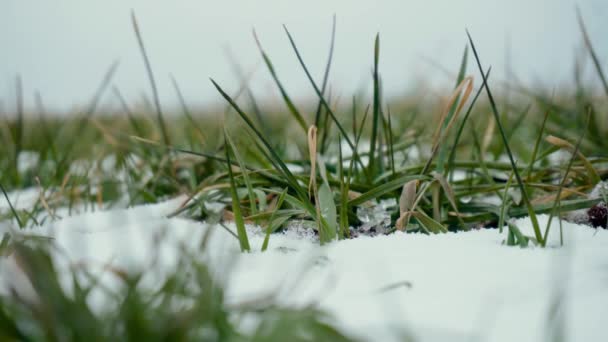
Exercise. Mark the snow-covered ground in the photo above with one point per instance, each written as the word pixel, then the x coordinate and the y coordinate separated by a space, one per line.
pixel 452 287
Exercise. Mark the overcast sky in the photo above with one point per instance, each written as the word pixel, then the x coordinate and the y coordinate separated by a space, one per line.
pixel 62 48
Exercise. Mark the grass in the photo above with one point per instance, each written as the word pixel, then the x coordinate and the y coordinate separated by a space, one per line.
pixel 190 306
pixel 443 180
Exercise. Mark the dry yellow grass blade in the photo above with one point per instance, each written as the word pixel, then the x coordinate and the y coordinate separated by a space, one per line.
pixel 488 135
pixel 466 82
pixel 43 199
pixel 566 192
pixel 105 132
pixel 408 196
pixel 312 184
pixel 462 93
pixel 566 145
pixel 406 204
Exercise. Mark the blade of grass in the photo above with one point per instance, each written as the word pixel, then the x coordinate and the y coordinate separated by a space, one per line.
pixel 344 230
pixel 481 160
pixel 318 92
pixel 430 224
pixel 536 144
pixel 452 157
pixel 327 205
pixel 236 206
pixel 312 155
pixel 21 225
pixel 520 182
pixel 385 188
pixel 596 61
pixel 440 134
pixel 407 202
pixel 275 157
pixel 292 108
pixel 92 107
pixel 239 159
pixel 518 121
pixel 46 130
pixel 244 79
pixel 376 110
pixel 132 120
pixel 327 68
pixel 19 128
pixel 186 109
pixel 504 206
pixel 327 211
pixel 270 220
pixel 345 186
pixel 390 140
pixel 557 201
pixel 561 143
pixel 142 49
pixel 441 158
pixel 447 189
pixel 324 201
pixel 327 125
pixel 517 237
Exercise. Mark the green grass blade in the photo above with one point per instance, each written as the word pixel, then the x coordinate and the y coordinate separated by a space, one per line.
pixel 270 221
pixel 447 189
pixel 452 157
pixel 144 55
pixel 292 108
pixel 563 182
pixel 344 226
pixel 327 208
pixel 21 225
pixel 236 208
pixel 504 206
pixel 517 237
pixel 186 109
pixel 317 90
pixel 326 73
pixel 376 110
pixel 82 121
pixel 46 130
pixel 596 61
pixel 245 78
pixel 430 224
pixel 442 155
pixel 520 182
pixel 390 141
pixel 275 157
pixel 19 128
pixel 518 122
pixel 379 190
pixel 536 145
pixel 132 120
pixel 244 172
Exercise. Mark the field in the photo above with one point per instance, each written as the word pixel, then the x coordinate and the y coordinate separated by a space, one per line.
pixel 475 214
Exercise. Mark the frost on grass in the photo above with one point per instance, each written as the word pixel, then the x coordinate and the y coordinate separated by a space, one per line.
pixel 376 217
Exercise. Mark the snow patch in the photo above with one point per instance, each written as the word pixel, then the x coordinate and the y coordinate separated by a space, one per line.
pixel 455 286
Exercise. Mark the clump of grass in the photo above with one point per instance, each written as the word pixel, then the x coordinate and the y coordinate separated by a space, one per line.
pixel 169 155
pixel 189 305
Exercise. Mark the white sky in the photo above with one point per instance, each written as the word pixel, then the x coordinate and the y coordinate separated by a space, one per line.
pixel 62 48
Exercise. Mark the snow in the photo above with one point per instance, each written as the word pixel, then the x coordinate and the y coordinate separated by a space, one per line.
pixel 452 287
pixel 23 199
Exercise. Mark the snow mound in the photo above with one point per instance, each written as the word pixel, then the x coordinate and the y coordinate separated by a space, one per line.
pixel 450 287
